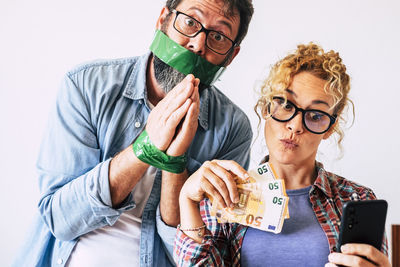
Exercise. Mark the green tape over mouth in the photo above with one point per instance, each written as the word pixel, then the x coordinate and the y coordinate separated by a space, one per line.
pixel 183 60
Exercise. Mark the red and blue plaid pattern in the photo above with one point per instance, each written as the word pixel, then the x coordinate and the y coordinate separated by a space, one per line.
pixel 222 242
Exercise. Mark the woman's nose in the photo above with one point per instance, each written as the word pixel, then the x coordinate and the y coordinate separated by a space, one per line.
pixel 295 125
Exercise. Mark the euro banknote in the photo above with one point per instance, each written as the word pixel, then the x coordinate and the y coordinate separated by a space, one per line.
pixel 263 203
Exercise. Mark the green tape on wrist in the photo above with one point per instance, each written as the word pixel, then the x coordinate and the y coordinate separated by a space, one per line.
pixel 183 60
pixel 147 152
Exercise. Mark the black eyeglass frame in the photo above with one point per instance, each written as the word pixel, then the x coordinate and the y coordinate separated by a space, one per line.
pixel 303 111
pixel 203 29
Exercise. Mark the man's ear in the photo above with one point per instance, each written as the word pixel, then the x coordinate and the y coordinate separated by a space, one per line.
pixel 164 13
pixel 236 50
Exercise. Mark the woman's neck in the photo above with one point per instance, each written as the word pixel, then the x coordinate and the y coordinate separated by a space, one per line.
pixel 295 175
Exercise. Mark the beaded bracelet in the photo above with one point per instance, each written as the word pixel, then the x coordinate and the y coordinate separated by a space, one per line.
pixel 199 233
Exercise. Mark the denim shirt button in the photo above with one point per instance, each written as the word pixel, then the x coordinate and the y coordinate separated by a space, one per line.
pixel 137 124
pixel 60 261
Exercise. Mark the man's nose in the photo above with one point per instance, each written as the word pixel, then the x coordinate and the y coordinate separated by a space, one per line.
pixel 197 44
pixel 295 125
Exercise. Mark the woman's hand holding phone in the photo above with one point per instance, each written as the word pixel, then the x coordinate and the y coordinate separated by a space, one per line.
pixel 354 254
pixel 362 230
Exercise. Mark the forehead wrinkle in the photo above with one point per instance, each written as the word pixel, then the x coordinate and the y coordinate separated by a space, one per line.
pixel 220 21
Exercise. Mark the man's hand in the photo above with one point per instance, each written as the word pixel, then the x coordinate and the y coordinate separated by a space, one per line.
pixel 163 125
pixel 358 255
pixel 187 129
pixel 183 120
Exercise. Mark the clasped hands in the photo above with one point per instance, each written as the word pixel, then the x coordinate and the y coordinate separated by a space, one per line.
pixel 173 122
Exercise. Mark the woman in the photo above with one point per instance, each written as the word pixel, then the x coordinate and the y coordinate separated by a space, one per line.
pixel 302 102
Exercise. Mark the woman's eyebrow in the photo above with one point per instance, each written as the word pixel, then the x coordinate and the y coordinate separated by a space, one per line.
pixel 314 102
pixel 290 91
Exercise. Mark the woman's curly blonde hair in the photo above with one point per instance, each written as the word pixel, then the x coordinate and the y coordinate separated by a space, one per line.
pixel 311 58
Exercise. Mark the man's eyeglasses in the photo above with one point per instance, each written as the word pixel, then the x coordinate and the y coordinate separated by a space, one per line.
pixel 190 27
pixel 314 120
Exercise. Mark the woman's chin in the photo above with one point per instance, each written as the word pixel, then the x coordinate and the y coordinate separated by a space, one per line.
pixel 286 158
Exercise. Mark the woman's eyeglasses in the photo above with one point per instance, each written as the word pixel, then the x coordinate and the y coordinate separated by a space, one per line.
pixel 314 120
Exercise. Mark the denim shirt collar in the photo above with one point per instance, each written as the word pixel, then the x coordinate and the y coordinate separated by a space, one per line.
pixel 136 88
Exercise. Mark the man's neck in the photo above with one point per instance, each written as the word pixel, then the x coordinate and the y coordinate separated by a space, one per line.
pixel 155 93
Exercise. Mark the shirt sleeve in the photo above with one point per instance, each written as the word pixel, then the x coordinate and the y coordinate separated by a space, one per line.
pixel 74 187
pixel 167 234
pixel 237 145
pixel 215 250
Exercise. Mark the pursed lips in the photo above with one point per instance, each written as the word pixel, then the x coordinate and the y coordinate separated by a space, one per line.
pixel 289 143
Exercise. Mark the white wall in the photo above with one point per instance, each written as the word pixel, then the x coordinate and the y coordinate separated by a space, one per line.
pixel 41 40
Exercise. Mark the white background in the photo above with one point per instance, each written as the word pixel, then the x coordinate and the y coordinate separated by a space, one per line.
pixel 41 40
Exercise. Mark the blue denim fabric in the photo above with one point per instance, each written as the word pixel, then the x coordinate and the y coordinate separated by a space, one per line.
pixel 100 109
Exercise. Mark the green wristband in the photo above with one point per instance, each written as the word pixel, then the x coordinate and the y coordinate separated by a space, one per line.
pixel 147 152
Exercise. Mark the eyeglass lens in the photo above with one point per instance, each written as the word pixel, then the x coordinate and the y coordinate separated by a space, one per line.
pixel 314 120
pixel 190 27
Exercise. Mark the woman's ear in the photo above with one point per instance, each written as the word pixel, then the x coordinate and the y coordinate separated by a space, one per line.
pixel 264 111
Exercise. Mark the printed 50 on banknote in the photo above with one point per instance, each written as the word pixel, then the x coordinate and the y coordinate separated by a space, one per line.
pixel 263 203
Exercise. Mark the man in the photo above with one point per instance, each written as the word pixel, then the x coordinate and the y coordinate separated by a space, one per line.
pixel 100 193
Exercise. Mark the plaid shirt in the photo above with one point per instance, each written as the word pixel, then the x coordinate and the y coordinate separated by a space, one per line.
pixel 222 242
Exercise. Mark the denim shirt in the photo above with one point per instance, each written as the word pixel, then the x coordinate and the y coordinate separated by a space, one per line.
pixel 100 110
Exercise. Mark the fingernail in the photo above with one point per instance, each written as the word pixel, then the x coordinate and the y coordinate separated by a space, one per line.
pixel 236 200
pixel 232 205
pixel 343 248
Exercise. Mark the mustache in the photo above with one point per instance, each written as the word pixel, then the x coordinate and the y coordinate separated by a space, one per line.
pixel 168 77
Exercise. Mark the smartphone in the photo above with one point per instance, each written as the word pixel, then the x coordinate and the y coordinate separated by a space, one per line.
pixel 363 222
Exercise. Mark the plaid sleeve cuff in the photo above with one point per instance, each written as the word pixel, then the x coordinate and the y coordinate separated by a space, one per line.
pixel 188 252
pixel 212 250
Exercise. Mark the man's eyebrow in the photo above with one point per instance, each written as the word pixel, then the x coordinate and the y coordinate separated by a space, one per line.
pixel 314 102
pixel 219 21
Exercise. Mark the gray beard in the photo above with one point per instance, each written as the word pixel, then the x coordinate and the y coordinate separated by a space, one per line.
pixel 166 76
